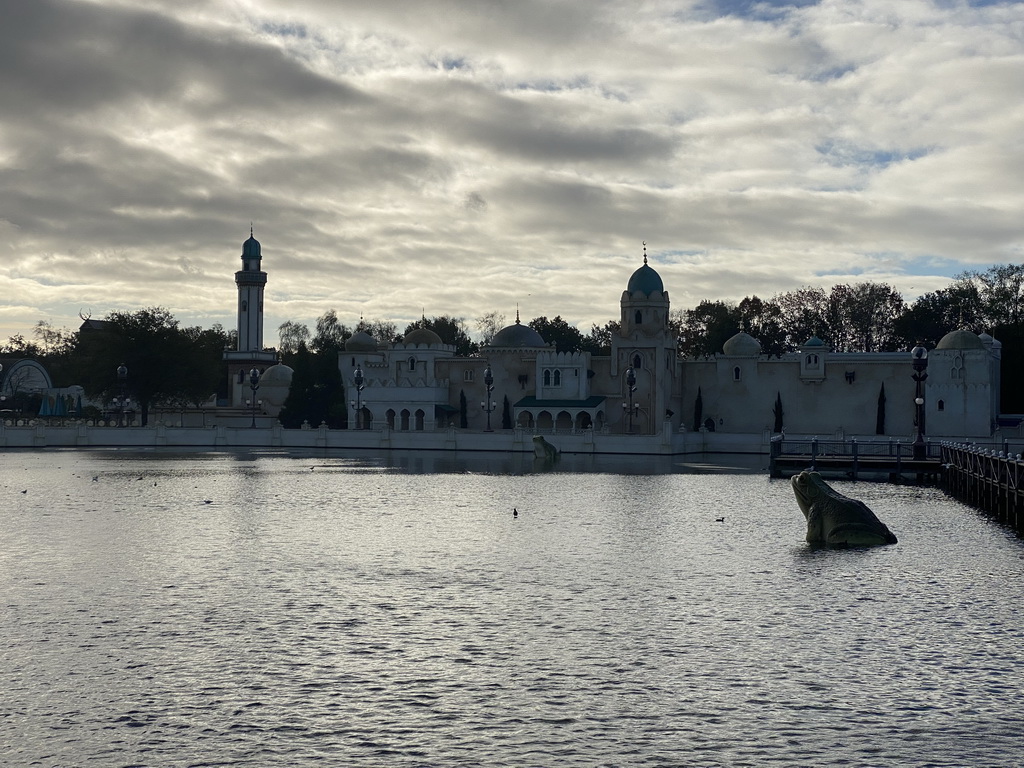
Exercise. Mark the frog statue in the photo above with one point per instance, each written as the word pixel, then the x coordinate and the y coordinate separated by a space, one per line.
pixel 835 520
pixel 544 450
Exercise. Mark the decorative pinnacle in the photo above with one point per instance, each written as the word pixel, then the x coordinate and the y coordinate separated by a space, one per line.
pixel 645 251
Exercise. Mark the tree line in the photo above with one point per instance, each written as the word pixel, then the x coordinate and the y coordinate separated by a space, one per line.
pixel 168 364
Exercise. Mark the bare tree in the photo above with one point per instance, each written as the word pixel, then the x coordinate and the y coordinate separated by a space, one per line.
pixel 488 325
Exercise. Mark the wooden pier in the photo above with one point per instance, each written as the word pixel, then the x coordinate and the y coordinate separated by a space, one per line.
pixel 985 478
pixel 895 459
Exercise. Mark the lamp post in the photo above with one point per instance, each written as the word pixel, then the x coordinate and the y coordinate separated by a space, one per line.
pixel 122 386
pixel 631 407
pixel 360 382
pixel 488 405
pixel 254 385
pixel 919 359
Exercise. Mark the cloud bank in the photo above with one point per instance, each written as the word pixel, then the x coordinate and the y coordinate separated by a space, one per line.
pixel 463 156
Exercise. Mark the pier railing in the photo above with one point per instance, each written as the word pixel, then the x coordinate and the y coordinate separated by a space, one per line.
pixel 789 455
pixel 990 479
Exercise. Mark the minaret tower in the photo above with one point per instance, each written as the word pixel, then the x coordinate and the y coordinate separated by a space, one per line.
pixel 250 354
pixel 250 280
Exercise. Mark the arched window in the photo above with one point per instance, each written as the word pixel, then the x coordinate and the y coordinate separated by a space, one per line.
pixel 547 378
pixel 812 361
pixel 637 362
pixel 412 364
pixel 736 373
pixel 942 405
pixel 468 375
pixel 245 305
pixel 957 371
pixel 558 378
pixel 638 318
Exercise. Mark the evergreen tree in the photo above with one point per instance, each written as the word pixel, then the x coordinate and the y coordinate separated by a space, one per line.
pixel 880 411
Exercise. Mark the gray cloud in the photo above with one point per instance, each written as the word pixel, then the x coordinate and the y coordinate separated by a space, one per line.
pixel 463 156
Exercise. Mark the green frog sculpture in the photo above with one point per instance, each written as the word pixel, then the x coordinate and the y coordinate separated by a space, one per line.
pixel 544 450
pixel 835 520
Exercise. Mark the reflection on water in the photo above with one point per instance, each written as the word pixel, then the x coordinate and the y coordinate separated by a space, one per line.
pixel 255 609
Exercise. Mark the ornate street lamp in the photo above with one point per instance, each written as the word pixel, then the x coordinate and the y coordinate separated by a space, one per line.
pixel 631 408
pixel 488 405
pixel 919 359
pixel 254 385
pixel 122 386
pixel 360 383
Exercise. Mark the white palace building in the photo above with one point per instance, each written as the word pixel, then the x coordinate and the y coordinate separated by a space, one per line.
pixel 519 382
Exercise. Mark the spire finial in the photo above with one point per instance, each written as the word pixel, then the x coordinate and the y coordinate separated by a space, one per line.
pixel 250 229
pixel 645 251
pixel 517 313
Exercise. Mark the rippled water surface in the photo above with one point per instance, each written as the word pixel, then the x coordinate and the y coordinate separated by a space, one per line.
pixel 267 610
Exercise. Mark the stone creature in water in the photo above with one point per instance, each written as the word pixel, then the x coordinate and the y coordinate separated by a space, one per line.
pixel 542 449
pixel 834 519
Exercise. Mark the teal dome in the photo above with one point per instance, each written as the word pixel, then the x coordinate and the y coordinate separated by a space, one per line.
pixel 645 280
pixel 251 248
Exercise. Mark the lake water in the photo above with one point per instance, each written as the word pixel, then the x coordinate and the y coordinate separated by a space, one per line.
pixel 273 610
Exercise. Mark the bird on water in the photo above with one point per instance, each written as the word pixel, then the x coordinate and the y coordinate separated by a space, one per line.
pixel 515 512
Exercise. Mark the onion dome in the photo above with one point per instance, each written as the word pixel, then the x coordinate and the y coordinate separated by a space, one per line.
pixel 961 339
pixel 814 341
pixel 423 336
pixel 517 335
pixel 645 280
pixel 251 247
pixel 360 341
pixel 742 345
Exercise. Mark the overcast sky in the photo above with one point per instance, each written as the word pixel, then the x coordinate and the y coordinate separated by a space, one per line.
pixel 402 157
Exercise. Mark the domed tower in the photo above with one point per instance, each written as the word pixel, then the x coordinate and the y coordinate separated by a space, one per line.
pixel 644 303
pixel 250 280
pixel 249 354
pixel 645 351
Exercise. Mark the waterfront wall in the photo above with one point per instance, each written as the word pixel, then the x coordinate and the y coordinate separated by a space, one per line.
pixel 587 441
pixel 238 434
